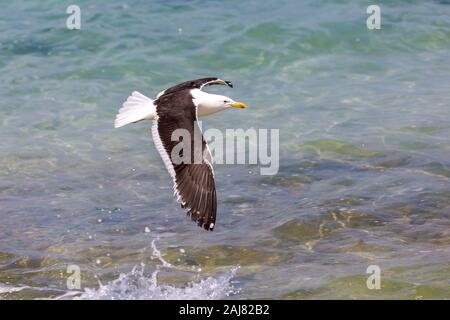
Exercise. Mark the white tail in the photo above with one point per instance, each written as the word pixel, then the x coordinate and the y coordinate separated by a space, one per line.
pixel 137 107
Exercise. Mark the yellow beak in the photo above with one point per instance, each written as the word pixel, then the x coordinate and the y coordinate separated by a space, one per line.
pixel 239 105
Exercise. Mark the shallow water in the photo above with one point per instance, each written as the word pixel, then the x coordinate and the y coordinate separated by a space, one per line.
pixel 364 175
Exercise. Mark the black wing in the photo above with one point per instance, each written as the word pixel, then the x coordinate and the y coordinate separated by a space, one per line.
pixel 196 84
pixel 193 177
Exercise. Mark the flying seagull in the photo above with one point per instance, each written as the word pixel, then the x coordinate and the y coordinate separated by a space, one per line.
pixel 178 108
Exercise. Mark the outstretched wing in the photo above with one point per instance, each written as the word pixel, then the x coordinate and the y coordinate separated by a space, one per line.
pixel 195 84
pixel 192 174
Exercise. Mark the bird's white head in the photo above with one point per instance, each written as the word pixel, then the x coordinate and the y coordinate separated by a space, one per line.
pixel 209 103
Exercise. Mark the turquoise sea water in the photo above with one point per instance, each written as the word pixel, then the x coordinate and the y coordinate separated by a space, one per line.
pixel 364 179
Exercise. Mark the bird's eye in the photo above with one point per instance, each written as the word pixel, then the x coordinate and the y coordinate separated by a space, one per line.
pixel 225 101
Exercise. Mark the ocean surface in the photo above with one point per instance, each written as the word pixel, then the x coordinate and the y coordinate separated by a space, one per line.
pixel 364 176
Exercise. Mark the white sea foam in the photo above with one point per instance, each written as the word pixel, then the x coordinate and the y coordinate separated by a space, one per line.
pixel 6 288
pixel 10 289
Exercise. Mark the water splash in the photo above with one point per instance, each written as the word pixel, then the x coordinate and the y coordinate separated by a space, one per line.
pixel 135 285
pixel 157 254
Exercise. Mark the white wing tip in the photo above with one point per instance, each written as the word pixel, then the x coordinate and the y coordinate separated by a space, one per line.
pixel 118 124
pixel 137 107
